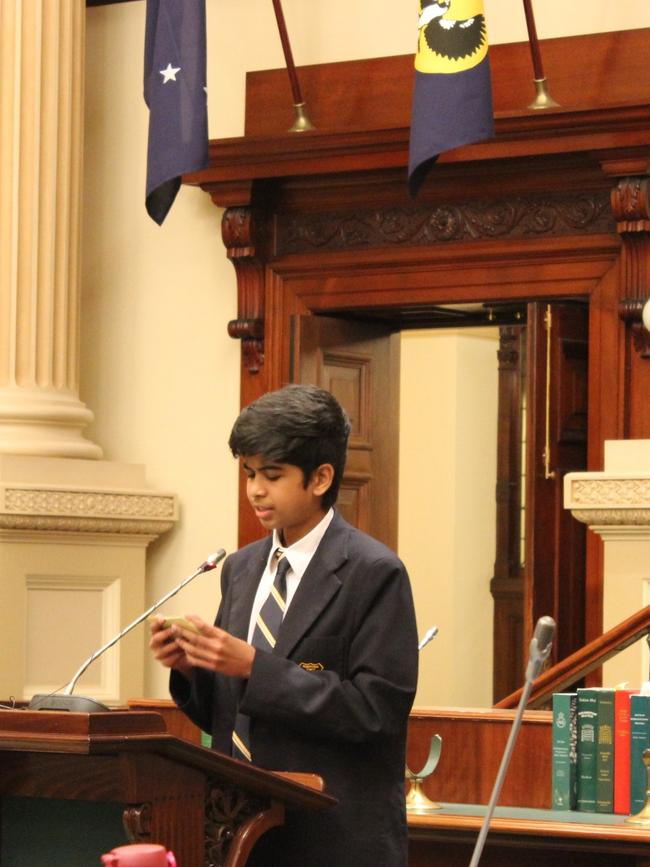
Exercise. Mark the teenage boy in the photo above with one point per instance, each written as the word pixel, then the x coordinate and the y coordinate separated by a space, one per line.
pixel 327 685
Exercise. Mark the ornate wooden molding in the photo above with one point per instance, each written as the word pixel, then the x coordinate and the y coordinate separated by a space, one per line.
pixel 631 208
pixel 136 820
pixel 235 821
pixel 243 234
pixel 508 351
pixel 251 334
pixel 533 216
pixel 641 339
pixel 631 204
pixel 630 311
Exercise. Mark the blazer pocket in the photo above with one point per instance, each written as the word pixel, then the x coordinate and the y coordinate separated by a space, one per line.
pixel 325 653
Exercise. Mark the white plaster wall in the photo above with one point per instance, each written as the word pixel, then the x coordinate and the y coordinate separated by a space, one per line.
pixel 158 369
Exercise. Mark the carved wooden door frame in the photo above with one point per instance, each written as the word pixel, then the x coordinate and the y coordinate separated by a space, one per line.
pixel 557 206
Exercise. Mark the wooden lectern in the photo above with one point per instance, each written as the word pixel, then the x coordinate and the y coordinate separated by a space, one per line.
pixel 206 807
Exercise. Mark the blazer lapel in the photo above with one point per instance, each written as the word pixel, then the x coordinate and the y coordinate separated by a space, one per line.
pixel 317 587
pixel 244 587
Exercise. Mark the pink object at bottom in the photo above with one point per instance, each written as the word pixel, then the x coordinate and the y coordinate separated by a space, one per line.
pixel 139 855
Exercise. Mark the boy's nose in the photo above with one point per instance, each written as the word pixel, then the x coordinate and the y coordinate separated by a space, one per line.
pixel 255 488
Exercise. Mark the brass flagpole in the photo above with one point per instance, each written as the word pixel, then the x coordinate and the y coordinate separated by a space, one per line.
pixel 302 121
pixel 542 98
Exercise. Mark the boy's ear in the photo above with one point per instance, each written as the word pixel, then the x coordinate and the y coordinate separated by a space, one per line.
pixel 322 479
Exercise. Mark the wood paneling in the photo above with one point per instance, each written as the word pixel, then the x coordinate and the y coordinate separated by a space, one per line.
pixel 359 365
pixel 375 93
pixel 473 742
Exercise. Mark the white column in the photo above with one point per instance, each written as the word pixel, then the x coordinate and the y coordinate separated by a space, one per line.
pixel 74 529
pixel 615 504
pixel 41 148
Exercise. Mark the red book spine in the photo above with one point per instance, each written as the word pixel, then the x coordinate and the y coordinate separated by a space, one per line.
pixel 622 750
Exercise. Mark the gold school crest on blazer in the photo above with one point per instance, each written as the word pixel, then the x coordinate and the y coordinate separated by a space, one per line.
pixel 312 666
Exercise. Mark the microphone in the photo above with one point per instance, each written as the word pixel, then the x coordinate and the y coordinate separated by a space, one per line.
pixel 82 704
pixel 539 649
pixel 428 635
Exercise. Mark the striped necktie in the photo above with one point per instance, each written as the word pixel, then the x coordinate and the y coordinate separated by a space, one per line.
pixel 267 626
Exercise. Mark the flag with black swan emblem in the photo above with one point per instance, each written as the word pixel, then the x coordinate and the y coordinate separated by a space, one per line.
pixel 452 96
pixel 175 92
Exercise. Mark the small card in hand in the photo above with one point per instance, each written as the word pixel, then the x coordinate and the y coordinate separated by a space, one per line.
pixel 182 622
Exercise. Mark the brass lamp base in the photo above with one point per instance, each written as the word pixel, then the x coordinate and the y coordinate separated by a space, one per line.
pixel 543 99
pixel 416 800
pixel 642 818
pixel 302 122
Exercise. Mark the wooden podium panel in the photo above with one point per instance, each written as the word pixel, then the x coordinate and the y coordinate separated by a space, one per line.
pixel 473 741
pixel 204 806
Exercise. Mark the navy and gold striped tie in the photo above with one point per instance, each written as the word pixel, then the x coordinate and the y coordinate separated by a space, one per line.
pixel 267 626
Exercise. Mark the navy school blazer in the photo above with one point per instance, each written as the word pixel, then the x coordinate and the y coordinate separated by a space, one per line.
pixel 333 698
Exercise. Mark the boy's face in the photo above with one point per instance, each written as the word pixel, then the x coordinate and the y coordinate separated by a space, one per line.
pixel 280 499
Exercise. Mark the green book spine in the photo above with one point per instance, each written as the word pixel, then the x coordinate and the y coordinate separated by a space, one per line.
pixel 563 765
pixel 587 717
pixel 639 741
pixel 605 752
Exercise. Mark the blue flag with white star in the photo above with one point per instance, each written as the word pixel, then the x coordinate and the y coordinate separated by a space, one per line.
pixel 452 97
pixel 175 93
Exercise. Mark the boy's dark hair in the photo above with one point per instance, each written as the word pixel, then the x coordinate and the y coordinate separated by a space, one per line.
pixel 301 425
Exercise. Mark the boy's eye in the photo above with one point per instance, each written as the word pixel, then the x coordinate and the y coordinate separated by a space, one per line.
pixel 272 478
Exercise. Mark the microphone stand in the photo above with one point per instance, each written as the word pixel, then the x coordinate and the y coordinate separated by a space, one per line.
pixel 540 647
pixel 83 704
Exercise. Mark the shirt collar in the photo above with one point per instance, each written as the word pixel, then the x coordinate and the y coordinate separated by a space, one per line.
pixel 300 553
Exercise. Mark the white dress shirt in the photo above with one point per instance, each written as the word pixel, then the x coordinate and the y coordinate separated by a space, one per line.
pixel 299 555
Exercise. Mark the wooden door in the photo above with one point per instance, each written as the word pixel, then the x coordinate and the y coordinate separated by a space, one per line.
pixel 359 364
pixel 507 585
pixel 556 444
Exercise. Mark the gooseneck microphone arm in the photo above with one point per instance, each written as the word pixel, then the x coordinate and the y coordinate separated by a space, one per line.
pixel 58 702
pixel 540 647
pixel 206 566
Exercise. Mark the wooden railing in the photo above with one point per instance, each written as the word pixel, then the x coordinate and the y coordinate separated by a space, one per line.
pixel 591 656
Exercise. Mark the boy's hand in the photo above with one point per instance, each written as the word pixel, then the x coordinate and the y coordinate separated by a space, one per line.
pixel 167 650
pixel 214 649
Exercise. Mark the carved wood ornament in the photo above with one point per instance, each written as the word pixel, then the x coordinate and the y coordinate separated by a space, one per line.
pixel 239 231
pixel 234 821
pixel 631 208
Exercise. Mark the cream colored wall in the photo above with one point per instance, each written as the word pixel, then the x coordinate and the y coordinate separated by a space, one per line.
pixel 448 418
pixel 157 367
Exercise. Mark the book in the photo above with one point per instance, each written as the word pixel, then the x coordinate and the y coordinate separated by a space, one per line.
pixel 564 756
pixel 587 712
pixel 622 750
pixel 639 741
pixel 605 751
